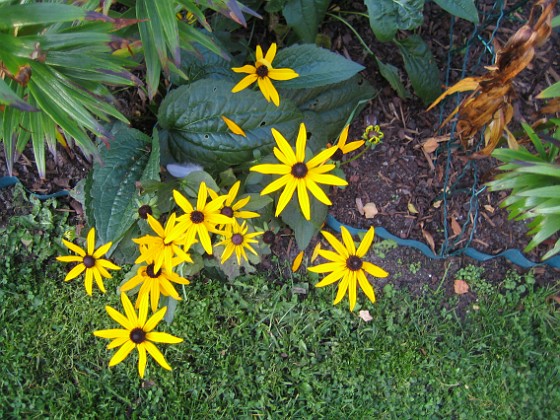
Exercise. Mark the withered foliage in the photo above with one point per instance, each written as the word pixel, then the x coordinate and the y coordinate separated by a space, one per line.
pixel 489 106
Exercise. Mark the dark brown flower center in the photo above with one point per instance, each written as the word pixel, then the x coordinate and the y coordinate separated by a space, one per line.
pixel 89 261
pixel 268 237
pixel 354 263
pixel 137 335
pixel 227 211
pixel 237 239
pixel 337 155
pixel 262 71
pixel 144 210
pixel 197 217
pixel 150 271
pixel 299 170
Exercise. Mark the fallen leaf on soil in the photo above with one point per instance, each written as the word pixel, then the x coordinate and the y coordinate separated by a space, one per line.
pixel 437 204
pixel 461 287
pixel 555 298
pixel 489 208
pixel 431 144
pixel 411 208
pixel 429 238
pixel 365 315
pixel 455 227
pixel 360 205
pixel 370 210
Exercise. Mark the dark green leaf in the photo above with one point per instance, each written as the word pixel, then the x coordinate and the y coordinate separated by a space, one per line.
pixel 305 17
pixel 421 67
pixel 386 17
pixel 9 97
pixel 38 13
pixel 113 187
pixel 326 109
pixel 465 9
pixel 316 66
pixel 304 230
pixel 391 74
pixel 191 116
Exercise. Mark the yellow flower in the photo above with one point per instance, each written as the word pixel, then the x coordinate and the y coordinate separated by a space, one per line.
pixel 235 129
pixel 231 209
pixel 202 220
pixel 167 244
pixel 90 261
pixel 346 264
pixel 346 148
pixel 298 174
pixel 137 333
pixel 237 240
pixel 262 73
pixel 155 283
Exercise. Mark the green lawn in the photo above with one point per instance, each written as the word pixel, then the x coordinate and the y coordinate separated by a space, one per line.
pixel 253 348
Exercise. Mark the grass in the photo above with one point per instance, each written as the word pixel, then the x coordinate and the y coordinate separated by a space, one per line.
pixel 254 348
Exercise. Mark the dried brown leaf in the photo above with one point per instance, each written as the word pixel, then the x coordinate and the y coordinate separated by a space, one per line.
pixel 461 287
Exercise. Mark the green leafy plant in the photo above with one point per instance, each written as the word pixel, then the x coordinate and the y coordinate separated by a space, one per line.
pixel 56 64
pixel 534 181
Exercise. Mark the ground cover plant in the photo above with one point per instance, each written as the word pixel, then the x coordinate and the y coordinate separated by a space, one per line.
pixel 258 347
pixel 208 226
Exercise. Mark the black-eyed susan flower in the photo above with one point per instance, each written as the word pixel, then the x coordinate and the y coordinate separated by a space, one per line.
pixel 168 243
pixel 347 265
pixel 344 148
pixel 202 220
pixel 237 240
pixel 234 128
pixel 89 260
pixel 137 334
pixel 232 208
pixel 262 73
pixel 155 283
pixel 298 174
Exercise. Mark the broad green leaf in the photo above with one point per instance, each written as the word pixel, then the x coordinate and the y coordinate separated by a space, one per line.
pixel 305 17
pixel 555 21
pixel 113 187
pixel 550 92
pixel 391 74
pixel 327 108
pixel 191 116
pixel 10 98
pixel 421 67
pixel 316 66
pixel 304 230
pixel 465 9
pixel 204 65
pixel 386 17
pixel 39 13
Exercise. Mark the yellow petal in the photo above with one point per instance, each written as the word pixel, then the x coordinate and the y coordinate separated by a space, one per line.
pixel 374 270
pixel 366 286
pixel 366 243
pixel 264 87
pixel 303 199
pixel 111 333
pixel 297 261
pixel 235 129
pixel 300 143
pixel 88 282
pixel 156 354
pixel 154 320
pixel 244 83
pixel 282 74
pixel 286 195
pixel 271 169
pixel 259 53
pixel 120 318
pixel 75 272
pixel 121 353
pixel 348 241
pixel 247 68
pixel 161 337
pixel 270 54
pixel 129 310
pixel 102 250
pixel 142 360
pixel 91 241
pixel 73 247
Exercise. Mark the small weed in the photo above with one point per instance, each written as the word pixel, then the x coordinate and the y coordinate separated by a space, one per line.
pixel 380 249
pixel 414 267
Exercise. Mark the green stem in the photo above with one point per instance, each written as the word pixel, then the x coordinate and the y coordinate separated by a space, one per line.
pixel 353 30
